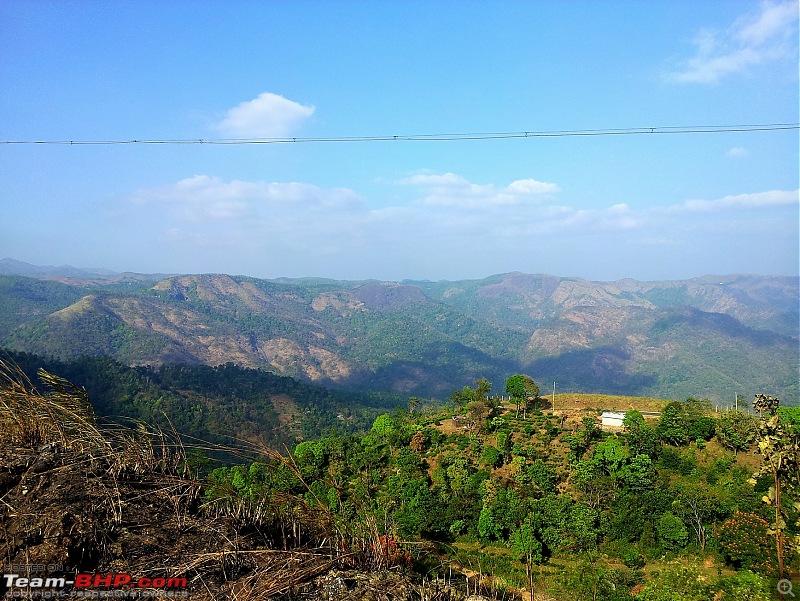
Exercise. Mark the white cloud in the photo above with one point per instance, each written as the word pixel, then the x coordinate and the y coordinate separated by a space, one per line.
pixel 268 116
pixel 451 190
pixel 737 152
pixel 759 200
pixel 429 179
pixel 775 21
pixel 204 198
pixel 750 41
pixel 302 229
pixel 532 186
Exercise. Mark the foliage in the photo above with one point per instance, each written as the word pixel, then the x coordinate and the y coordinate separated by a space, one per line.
pixel 684 582
pixel 218 404
pixel 698 507
pixel 672 532
pixel 581 440
pixel 640 436
pixel 533 496
pixel 672 427
pixel 779 445
pixel 736 430
pixel 631 557
pixel 522 390
pixel 747 544
pixel 678 582
pixel 384 425
pixel 744 586
pixel 492 456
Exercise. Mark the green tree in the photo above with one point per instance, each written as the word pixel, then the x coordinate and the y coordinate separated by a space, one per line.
pixel 463 397
pixel 504 441
pixel 640 436
pixel 672 425
pixel 478 413
pixel 542 476
pixel 492 456
pixel 531 395
pixel 384 425
pixel 580 441
pixel 611 456
pixel 583 534
pixel 482 389
pixel 527 547
pixel 697 506
pixel 638 473
pixel 515 388
pixel 672 532
pixel 523 390
pixel 702 428
pixel 736 430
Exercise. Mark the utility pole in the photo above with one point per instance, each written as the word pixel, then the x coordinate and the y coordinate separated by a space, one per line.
pixel 737 401
pixel 554 395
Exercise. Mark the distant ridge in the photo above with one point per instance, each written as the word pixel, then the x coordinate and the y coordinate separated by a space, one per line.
pixel 711 336
pixel 13 267
pixel 10 266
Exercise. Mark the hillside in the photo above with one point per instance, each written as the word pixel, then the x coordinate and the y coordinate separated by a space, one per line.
pixel 225 405
pixel 81 501
pixel 423 507
pixel 714 336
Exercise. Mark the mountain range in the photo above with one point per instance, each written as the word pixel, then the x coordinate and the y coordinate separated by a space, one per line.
pixel 711 336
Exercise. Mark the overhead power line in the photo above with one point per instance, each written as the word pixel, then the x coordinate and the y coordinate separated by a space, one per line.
pixel 442 137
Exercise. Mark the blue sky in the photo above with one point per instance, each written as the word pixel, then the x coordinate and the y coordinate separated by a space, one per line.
pixel 604 207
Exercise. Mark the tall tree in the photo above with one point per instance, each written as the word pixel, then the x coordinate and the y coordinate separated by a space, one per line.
pixel 515 388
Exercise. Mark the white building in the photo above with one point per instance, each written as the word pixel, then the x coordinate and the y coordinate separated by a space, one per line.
pixel 612 419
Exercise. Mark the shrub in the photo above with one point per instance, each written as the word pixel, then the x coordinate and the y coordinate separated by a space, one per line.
pixel 672 533
pixel 630 557
pixel 746 541
pixel 492 456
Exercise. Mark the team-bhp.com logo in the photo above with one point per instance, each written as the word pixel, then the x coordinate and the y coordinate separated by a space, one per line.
pixel 93 586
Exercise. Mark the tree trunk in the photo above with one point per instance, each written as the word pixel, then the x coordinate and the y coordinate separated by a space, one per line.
pixel 778 537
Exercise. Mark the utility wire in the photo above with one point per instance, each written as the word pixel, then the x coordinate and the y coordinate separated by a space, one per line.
pixel 444 137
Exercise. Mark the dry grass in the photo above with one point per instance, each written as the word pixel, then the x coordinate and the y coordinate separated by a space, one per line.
pixel 62 416
pixel 574 400
pixel 263 546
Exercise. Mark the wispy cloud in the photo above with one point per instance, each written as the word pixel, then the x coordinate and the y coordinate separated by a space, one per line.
pixel 759 200
pixel 445 222
pixel 204 198
pixel 454 190
pixel 268 116
pixel 750 41
pixel 737 152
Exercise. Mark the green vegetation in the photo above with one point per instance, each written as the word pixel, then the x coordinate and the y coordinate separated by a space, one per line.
pixel 225 404
pixel 426 338
pixel 658 511
pixel 693 505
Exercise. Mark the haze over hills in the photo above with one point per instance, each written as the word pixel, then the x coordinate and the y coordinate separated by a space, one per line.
pixel 712 336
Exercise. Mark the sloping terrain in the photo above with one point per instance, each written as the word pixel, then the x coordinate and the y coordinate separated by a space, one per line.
pixel 713 336
pixel 220 404
pixel 81 499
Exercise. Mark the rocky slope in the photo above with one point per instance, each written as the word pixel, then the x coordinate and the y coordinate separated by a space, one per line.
pixel 713 336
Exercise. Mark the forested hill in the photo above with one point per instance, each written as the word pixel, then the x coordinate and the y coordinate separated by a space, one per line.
pixel 713 336
pixel 227 405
